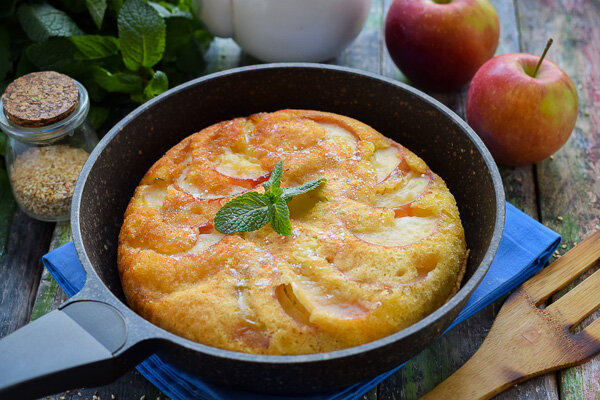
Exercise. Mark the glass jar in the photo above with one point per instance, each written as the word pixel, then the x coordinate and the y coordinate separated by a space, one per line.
pixel 44 162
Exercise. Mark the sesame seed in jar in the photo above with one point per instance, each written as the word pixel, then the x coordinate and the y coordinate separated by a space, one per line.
pixel 43 179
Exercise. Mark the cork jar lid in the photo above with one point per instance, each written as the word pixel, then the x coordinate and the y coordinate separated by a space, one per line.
pixel 40 98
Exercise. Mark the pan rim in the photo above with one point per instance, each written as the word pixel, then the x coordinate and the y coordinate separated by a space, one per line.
pixel 430 319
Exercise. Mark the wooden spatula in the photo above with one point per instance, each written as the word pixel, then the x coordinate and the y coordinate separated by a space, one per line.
pixel 526 340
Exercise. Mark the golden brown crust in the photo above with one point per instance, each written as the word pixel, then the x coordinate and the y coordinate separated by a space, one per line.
pixel 375 249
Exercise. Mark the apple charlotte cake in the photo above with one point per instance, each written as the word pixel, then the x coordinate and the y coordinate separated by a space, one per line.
pixel 376 248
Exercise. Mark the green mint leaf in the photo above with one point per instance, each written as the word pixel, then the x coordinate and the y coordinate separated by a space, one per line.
pixel 73 6
pixel 121 82
pixel 179 34
pixel 42 21
pixel 97 116
pixel 290 192
pixel 24 65
pixel 203 39
pixel 141 34
pixel 2 143
pixel 7 207
pixel 186 5
pixel 116 5
pixel 252 210
pixel 93 47
pixel 190 58
pixel 245 213
pixel 273 184
pixel 280 217
pixel 7 8
pixel 166 10
pixel 5 57
pixel 97 8
pixel 158 84
pixel 56 54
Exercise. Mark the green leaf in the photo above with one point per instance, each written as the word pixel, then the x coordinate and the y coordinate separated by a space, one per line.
pixel 97 116
pixel 7 207
pixel 42 21
pixel 272 186
pixel 186 5
pixel 158 84
pixel 203 39
pixel 190 59
pixel 24 65
pixel 252 210
pixel 280 217
pixel 74 6
pixel 56 54
pixel 97 8
pixel 179 34
pixel 5 58
pixel 2 143
pixel 166 10
pixel 141 33
pixel 92 47
pixel 121 82
pixel 7 8
pixel 245 213
pixel 290 192
pixel 116 5
pixel 96 92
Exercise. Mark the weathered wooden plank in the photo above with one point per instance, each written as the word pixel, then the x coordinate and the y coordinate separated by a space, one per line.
pixel 366 51
pixel 569 184
pixel 20 268
pixel 448 353
pixel 49 296
pixel 371 395
pixel 7 209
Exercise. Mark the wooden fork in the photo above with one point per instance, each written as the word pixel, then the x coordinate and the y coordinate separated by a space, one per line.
pixel 526 340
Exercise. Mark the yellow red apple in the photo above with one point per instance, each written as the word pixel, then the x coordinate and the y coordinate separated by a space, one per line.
pixel 522 114
pixel 440 44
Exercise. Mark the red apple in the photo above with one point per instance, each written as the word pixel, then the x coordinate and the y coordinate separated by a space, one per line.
pixel 523 116
pixel 440 44
pixel 207 227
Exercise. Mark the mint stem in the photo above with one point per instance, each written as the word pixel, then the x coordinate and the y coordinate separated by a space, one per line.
pixel 539 64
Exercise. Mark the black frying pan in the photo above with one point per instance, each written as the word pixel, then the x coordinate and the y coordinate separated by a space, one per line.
pixel 95 337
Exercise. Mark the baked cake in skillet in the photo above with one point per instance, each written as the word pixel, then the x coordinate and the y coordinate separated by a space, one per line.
pixel 376 248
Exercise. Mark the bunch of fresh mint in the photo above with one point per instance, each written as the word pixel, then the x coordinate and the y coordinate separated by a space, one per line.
pixel 252 210
pixel 123 51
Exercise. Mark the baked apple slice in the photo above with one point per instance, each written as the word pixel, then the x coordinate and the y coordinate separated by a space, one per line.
pixel 184 185
pixel 205 238
pixel 401 199
pixel 304 302
pixel 389 162
pixel 405 231
pixel 240 169
pixel 336 131
pixel 155 194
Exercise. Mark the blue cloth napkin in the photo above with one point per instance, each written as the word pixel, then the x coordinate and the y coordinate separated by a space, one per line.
pixel 525 247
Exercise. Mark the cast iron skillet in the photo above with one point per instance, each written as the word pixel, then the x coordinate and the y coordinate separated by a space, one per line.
pixel 95 337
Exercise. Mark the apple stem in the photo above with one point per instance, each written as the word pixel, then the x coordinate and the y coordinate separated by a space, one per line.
pixel 537 67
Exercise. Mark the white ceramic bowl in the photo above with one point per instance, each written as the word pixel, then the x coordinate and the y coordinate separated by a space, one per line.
pixel 286 30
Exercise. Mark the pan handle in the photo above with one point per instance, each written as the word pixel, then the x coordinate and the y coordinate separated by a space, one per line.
pixel 86 343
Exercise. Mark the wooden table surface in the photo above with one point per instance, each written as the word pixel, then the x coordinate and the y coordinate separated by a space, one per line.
pixel 561 192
